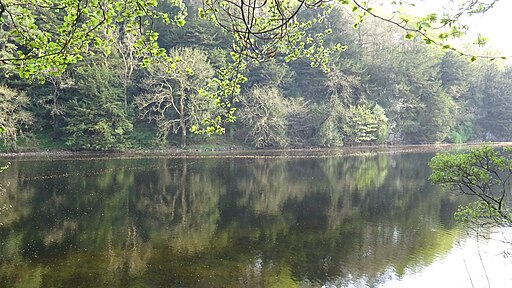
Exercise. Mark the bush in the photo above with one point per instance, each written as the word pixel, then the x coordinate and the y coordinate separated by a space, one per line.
pixel 366 125
pixel 263 113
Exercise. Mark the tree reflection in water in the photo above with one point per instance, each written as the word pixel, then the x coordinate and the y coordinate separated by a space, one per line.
pixel 221 222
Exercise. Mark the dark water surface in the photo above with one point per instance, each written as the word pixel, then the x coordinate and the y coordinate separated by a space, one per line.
pixel 345 221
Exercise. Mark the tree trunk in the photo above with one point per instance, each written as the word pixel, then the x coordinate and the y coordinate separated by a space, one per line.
pixel 183 135
pixel 183 125
pixel 14 144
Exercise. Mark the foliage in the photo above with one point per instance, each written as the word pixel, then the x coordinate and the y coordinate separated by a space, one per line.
pixel 197 33
pixel 263 111
pixel 14 115
pixel 366 125
pixel 436 120
pixel 96 118
pixel 480 214
pixel 175 96
pixel 427 95
pixel 482 172
pixel 352 125
pixel 459 79
pixel 462 133
pixel 331 131
pixel 303 118
pixel 52 34
pixel 407 87
pixel 271 73
pixel 7 49
pixel 496 118
pixel 261 31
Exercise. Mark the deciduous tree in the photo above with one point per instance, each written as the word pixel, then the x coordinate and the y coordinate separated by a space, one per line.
pixel 96 118
pixel 263 112
pixel 14 116
pixel 175 94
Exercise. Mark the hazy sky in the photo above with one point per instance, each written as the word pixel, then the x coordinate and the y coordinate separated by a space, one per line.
pixel 495 24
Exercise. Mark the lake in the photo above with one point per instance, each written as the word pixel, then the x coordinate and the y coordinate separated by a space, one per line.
pixel 270 220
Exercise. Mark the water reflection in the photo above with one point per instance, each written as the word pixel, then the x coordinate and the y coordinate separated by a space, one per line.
pixel 221 222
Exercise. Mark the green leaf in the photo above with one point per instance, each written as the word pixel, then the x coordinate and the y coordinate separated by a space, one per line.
pixel 410 35
pixel 202 13
pixel 180 22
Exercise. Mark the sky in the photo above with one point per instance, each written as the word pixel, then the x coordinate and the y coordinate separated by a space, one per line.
pixel 495 24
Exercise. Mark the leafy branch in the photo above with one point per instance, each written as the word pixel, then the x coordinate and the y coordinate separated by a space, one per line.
pixel 482 172
pixel 448 25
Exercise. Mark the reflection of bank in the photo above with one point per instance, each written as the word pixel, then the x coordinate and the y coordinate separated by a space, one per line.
pixel 355 215
pixel 14 201
pixel 4 206
pixel 227 222
pixel 179 204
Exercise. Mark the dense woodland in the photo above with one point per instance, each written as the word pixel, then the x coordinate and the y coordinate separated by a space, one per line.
pixel 383 89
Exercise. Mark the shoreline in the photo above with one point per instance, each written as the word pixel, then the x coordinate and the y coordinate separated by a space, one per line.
pixel 235 151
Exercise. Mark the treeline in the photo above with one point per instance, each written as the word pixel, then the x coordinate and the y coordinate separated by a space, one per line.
pixel 382 89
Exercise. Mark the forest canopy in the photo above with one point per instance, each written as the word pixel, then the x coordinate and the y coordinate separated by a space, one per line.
pixel 107 75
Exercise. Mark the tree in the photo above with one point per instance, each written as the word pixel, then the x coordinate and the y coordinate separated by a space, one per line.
pixel 434 121
pixel 51 100
pixel 481 172
pixel 175 95
pixel 97 118
pixel 350 119
pixel 331 131
pixel 263 29
pixel 124 44
pixel 409 89
pixel 14 115
pixel 459 80
pixel 496 119
pixel 272 73
pixel 302 119
pixel 263 112
pixel 7 50
pixel 421 96
pixel 197 33
pixel 51 34
pixel 366 125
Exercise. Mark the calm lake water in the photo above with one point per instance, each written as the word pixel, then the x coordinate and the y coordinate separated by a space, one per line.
pixel 371 220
